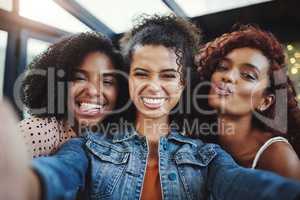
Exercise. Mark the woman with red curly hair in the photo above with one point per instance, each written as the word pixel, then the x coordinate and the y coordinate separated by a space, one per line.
pixel 257 112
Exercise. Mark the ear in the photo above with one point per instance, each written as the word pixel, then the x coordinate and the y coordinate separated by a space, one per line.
pixel 267 101
pixel 183 84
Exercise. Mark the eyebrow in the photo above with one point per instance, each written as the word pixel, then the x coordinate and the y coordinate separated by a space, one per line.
pixel 105 74
pixel 138 68
pixel 112 74
pixel 246 64
pixel 252 66
pixel 81 71
pixel 168 70
pixel 162 71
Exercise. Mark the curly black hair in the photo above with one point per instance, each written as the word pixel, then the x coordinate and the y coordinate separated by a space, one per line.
pixel 63 58
pixel 171 32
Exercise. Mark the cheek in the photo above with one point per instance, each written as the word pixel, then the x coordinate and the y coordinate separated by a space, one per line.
pixel 75 90
pixel 131 85
pixel 134 91
pixel 136 86
pixel 111 94
pixel 216 76
pixel 176 98
pixel 247 98
pixel 245 95
pixel 251 93
pixel 172 87
pixel 174 92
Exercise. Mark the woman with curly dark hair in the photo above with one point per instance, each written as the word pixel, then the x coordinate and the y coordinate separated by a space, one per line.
pixel 257 109
pixel 78 88
pixel 151 160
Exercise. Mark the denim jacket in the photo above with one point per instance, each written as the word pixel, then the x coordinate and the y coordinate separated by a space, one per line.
pixel 104 167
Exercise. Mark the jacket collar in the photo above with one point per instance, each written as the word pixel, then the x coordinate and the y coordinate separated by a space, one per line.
pixel 132 133
pixel 125 135
pixel 180 137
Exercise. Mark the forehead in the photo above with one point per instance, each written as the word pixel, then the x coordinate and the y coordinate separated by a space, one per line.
pixel 154 57
pixel 96 62
pixel 248 55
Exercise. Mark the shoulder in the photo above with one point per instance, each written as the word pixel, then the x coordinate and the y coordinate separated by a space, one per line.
pixel 31 123
pixel 195 144
pixel 280 158
pixel 193 148
pixel 75 144
pixel 40 135
pixel 38 127
pixel 182 139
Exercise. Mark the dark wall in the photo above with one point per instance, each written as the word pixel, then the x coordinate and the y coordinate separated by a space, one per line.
pixel 280 17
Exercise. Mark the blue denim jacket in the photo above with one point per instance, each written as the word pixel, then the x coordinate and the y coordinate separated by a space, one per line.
pixel 103 167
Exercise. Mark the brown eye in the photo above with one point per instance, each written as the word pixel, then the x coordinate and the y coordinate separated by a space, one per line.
pixel 79 77
pixel 221 66
pixel 140 74
pixel 168 76
pixel 249 76
pixel 108 82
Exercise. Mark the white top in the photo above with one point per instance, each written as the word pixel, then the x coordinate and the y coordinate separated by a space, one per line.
pixel 265 146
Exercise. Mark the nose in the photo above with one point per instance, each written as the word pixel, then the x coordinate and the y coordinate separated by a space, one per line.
pixel 93 88
pixel 230 76
pixel 154 86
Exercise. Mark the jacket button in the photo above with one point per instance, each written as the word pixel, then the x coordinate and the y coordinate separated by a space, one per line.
pixel 165 146
pixel 172 176
pixel 145 144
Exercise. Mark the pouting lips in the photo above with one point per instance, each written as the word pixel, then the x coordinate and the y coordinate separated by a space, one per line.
pixel 222 90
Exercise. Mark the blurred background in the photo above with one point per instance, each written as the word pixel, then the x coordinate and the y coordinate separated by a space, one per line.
pixel 28 27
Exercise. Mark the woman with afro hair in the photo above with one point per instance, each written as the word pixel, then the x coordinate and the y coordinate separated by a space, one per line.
pixel 150 160
pixel 258 115
pixel 78 88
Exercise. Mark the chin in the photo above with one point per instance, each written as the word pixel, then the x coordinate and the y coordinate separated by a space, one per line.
pixel 89 121
pixel 214 103
pixel 217 105
pixel 153 114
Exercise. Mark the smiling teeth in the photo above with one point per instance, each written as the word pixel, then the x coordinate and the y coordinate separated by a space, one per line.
pixel 153 100
pixel 88 106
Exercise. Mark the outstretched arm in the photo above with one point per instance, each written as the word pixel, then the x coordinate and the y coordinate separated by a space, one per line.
pixel 227 180
pixel 56 177
pixel 62 175
pixel 17 180
pixel 281 158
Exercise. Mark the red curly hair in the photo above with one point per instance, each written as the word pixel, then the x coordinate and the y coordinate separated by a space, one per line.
pixel 253 37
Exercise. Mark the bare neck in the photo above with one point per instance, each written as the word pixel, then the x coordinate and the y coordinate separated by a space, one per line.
pixel 152 128
pixel 233 129
pixel 238 137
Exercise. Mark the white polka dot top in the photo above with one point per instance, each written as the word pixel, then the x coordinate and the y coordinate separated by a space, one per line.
pixel 43 136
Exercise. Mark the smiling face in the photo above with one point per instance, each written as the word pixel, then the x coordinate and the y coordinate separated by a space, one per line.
pixel 154 81
pixel 93 92
pixel 239 82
